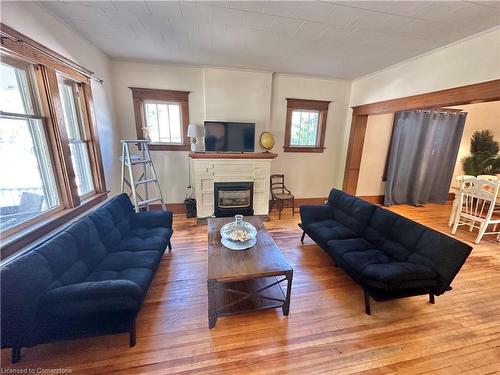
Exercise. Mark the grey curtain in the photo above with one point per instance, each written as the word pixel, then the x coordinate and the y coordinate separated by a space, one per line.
pixel 422 156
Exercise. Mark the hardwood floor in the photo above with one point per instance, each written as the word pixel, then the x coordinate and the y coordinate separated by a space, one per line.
pixel 327 330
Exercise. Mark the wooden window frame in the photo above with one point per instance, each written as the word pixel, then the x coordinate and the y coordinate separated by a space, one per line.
pixel 47 64
pixel 141 95
pixel 306 105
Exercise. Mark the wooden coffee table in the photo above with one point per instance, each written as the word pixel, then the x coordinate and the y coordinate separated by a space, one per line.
pixel 247 280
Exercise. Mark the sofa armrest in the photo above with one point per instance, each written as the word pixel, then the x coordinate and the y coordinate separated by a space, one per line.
pixel 92 297
pixel 94 290
pixel 313 213
pixel 152 219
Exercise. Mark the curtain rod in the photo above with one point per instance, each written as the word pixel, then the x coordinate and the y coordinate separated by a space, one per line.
pixel 448 112
pixel 66 62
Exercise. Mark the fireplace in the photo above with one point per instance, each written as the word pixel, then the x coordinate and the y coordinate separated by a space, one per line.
pixel 233 198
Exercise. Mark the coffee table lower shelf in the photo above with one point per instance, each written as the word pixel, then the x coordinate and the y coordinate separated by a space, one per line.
pixel 230 298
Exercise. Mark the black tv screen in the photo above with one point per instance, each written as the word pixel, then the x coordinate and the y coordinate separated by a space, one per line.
pixel 229 136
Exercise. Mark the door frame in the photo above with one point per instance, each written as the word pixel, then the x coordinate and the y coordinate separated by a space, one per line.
pixel 488 91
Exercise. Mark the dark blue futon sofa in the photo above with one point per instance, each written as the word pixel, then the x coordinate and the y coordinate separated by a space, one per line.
pixel 89 279
pixel 388 255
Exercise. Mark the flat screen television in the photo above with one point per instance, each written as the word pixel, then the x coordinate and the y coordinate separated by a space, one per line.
pixel 223 136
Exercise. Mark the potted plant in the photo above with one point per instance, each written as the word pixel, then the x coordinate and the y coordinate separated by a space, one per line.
pixel 484 157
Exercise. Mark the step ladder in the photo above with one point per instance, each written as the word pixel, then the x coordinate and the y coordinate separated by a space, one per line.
pixel 143 164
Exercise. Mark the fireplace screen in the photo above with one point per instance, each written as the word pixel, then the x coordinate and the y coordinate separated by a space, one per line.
pixel 234 198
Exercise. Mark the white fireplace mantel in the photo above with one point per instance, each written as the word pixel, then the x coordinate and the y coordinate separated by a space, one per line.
pixel 209 168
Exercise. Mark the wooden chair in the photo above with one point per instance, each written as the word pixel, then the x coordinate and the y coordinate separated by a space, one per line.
pixel 477 205
pixel 454 207
pixel 280 194
pixel 488 177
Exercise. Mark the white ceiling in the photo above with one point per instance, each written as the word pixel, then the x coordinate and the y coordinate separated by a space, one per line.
pixel 343 39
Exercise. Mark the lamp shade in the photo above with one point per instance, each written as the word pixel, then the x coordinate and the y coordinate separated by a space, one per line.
pixel 194 131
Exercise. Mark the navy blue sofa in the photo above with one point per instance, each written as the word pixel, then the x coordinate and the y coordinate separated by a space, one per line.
pixel 89 279
pixel 388 255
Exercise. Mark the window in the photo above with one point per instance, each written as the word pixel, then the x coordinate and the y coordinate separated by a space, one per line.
pixel 163 122
pixel 305 125
pixel 162 116
pixel 27 184
pixel 50 164
pixel 71 100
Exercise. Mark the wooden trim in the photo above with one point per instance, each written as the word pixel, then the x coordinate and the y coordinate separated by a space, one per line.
pixel 57 115
pixel 33 233
pixel 250 155
pixel 379 199
pixel 140 95
pixel 309 201
pixel 176 208
pixel 307 105
pixel 47 64
pixel 41 54
pixel 354 153
pixel 302 149
pixel 95 148
pixel 476 93
pixel 160 94
pixel 375 199
pixel 180 208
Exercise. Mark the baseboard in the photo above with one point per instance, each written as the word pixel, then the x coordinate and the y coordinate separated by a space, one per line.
pixel 305 201
pixel 176 208
pixel 180 208
pixel 375 199
pixel 379 199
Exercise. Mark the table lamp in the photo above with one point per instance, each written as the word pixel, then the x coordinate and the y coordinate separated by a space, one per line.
pixel 194 131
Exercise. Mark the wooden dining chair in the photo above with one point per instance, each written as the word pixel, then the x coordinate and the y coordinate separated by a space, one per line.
pixel 476 207
pixel 488 177
pixel 280 195
pixel 454 207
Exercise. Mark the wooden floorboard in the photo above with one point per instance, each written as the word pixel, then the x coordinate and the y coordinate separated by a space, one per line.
pixel 326 331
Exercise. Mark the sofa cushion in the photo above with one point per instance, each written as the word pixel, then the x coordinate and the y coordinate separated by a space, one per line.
pixel 339 247
pixel 122 260
pixel 350 211
pixel 326 230
pixel 396 235
pixel 141 276
pixel 378 270
pixel 141 239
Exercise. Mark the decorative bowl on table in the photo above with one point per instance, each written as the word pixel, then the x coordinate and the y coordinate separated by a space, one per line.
pixel 238 234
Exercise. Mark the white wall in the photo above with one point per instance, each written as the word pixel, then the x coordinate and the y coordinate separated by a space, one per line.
pixel 239 95
pixel 171 166
pixel 373 159
pixel 232 95
pixel 31 20
pixel 470 61
pixel 310 175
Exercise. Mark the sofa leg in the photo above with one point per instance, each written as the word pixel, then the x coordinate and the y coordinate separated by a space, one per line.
pixel 16 354
pixel 367 304
pixel 132 334
pixel 431 298
pixel 169 246
pixel 302 238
